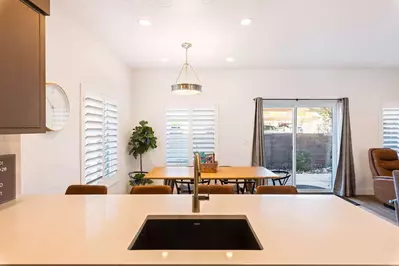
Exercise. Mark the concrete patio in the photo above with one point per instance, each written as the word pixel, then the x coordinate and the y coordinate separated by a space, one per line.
pixel 318 180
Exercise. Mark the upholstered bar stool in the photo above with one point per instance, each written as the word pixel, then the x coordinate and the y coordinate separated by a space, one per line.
pixel 156 189
pixel 276 190
pixel 215 189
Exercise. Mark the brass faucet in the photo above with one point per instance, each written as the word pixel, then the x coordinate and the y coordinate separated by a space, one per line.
pixel 197 179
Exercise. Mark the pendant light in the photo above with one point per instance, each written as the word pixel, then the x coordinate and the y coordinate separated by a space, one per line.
pixel 184 85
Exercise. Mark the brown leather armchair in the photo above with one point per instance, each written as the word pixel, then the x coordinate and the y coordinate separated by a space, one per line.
pixel 382 163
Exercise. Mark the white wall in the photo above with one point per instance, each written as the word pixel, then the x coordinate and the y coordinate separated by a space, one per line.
pixel 51 162
pixel 233 92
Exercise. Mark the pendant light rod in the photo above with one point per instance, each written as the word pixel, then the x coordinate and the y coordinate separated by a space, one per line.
pixel 186 65
pixel 186 56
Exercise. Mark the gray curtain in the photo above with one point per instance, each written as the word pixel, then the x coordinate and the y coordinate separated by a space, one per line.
pixel 258 148
pixel 345 181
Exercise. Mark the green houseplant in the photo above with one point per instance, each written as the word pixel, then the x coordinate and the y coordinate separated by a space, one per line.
pixel 142 140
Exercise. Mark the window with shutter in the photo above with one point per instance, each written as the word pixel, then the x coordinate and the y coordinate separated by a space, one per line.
pixel 177 137
pixel 203 128
pixel 391 128
pixel 100 139
pixel 110 139
pixel 188 131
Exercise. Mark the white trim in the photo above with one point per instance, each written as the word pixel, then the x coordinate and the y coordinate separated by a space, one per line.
pixel 294 135
pixel 81 134
pixel 335 143
pixel 294 105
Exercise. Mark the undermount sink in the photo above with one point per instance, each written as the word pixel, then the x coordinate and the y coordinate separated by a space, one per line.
pixel 189 232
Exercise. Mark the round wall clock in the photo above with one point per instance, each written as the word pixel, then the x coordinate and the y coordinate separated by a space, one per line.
pixel 57 107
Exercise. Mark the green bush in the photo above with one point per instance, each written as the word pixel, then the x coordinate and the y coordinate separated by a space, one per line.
pixel 303 161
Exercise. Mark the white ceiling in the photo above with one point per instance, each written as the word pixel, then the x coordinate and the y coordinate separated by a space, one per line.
pixel 284 33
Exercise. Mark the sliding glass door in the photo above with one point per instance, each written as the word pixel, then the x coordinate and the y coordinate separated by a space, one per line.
pixel 300 142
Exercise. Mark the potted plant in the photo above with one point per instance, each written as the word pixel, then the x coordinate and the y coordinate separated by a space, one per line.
pixel 141 141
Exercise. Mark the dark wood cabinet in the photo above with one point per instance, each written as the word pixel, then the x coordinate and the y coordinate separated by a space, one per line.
pixel 22 68
pixel 42 5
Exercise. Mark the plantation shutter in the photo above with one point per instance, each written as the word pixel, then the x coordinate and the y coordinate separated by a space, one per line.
pixel 110 139
pixel 93 141
pixel 189 131
pixel 203 127
pixel 391 128
pixel 177 137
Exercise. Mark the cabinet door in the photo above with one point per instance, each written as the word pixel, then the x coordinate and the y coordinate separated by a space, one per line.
pixel 22 69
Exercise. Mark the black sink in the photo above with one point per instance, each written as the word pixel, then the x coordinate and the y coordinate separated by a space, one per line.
pixel 196 233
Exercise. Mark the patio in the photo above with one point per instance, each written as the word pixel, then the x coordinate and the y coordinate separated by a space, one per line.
pixel 312 181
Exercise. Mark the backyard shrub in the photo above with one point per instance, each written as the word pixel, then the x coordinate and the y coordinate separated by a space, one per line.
pixel 303 161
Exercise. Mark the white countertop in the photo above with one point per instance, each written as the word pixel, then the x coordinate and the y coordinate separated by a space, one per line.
pixel 293 229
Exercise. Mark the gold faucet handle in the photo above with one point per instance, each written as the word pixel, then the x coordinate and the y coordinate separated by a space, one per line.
pixel 203 197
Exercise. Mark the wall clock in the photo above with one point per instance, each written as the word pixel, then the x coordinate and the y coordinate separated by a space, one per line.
pixel 57 107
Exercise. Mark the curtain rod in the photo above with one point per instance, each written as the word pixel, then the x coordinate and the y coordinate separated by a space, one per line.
pixel 296 99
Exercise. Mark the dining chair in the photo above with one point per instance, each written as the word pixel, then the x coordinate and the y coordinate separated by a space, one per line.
pixel 215 189
pixel 86 190
pixel 284 177
pixel 180 184
pixel 396 201
pixel 155 189
pixel 240 185
pixel 276 190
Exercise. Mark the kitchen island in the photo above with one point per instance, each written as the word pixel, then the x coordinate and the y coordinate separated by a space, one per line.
pixel 293 229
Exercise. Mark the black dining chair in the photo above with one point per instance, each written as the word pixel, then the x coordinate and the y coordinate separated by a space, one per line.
pixel 185 186
pixel 284 177
pixel 241 186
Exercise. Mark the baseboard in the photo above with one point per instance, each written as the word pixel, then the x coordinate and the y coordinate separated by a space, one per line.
pixel 364 191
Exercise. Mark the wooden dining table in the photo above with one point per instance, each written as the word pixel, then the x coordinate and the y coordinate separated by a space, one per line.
pixel 187 173
pixel 246 174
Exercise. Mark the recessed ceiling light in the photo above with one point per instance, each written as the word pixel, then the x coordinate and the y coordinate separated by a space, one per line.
pixel 144 22
pixel 164 60
pixel 246 21
pixel 230 59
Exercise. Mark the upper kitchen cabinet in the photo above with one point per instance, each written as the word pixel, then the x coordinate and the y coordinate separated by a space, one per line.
pixel 22 66
pixel 42 5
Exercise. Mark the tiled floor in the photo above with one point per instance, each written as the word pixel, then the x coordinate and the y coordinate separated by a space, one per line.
pixel 371 204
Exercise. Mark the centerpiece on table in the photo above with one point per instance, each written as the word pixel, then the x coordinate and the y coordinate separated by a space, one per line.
pixel 142 140
pixel 208 162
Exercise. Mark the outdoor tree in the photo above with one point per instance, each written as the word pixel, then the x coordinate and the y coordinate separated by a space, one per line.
pixel 326 115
